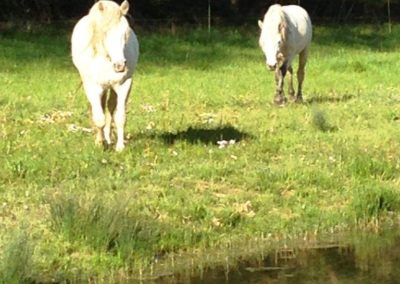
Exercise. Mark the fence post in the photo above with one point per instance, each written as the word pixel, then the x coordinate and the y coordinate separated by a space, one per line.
pixel 389 16
pixel 209 16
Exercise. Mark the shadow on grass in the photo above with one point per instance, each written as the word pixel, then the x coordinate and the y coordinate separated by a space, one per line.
pixel 328 99
pixel 204 135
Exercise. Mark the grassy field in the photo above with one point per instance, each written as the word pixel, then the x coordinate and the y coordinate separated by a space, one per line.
pixel 70 211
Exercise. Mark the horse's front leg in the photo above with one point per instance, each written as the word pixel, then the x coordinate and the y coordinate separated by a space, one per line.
pixel 280 73
pixel 94 93
pixel 120 112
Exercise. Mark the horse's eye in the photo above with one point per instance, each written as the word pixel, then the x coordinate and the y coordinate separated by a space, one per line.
pixel 279 42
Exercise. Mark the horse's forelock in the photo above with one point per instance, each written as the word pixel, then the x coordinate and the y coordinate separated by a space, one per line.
pixel 106 12
pixel 100 6
pixel 103 16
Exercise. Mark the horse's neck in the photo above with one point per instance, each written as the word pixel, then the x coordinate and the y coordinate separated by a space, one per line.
pixel 99 50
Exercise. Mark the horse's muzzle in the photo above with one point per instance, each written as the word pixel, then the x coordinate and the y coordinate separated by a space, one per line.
pixel 272 67
pixel 119 66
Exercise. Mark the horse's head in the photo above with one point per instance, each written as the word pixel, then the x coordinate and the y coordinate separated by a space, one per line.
pixel 111 31
pixel 273 36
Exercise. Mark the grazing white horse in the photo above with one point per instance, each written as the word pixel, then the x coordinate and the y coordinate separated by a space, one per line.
pixel 285 32
pixel 105 51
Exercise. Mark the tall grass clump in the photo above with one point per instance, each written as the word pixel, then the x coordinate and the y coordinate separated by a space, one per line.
pixel 369 162
pixel 320 120
pixel 107 226
pixel 372 201
pixel 16 261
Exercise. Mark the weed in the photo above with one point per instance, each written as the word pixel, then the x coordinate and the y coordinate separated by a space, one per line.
pixel 372 201
pixel 320 120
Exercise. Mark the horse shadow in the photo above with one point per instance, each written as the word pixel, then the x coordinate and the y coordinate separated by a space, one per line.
pixel 328 99
pixel 206 136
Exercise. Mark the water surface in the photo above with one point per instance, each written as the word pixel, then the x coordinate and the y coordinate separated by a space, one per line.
pixel 352 258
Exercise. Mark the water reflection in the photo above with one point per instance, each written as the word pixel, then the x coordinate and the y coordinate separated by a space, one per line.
pixel 358 258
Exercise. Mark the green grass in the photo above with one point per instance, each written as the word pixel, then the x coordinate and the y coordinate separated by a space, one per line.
pixel 329 164
pixel 16 261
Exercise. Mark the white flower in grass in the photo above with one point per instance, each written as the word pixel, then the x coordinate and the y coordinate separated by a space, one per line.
pixel 222 143
pixel 148 108
pixel 332 159
pixel 150 125
pixel 225 143
pixel 207 118
pixel 77 128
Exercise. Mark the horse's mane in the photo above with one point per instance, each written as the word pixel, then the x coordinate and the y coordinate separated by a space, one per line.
pixel 277 19
pixel 102 17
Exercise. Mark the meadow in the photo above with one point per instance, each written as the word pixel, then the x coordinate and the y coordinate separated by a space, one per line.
pixel 210 164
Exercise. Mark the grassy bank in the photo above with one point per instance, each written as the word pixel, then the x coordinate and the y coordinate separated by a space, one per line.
pixel 71 211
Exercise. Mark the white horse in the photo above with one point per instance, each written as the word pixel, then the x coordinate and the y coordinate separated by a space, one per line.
pixel 285 32
pixel 105 51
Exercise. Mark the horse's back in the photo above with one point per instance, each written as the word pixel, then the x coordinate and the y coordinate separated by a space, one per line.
pixel 299 24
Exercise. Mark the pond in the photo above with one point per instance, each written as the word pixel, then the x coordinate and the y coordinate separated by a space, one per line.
pixel 351 258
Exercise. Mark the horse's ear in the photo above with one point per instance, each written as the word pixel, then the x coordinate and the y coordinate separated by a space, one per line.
pixel 125 7
pixel 260 24
pixel 101 7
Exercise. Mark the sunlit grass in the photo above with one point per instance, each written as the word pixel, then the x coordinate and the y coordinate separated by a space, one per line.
pixel 331 163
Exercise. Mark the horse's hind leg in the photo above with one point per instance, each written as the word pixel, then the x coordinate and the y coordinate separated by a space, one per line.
pixel 301 73
pixel 290 78
pixel 110 105
pixel 95 94
pixel 120 112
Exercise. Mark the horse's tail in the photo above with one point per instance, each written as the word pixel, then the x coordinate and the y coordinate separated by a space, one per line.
pixel 77 88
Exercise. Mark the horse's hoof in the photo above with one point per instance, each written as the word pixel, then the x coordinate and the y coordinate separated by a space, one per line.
pixel 107 140
pixel 107 147
pixel 298 100
pixel 280 101
pixel 119 148
pixel 99 142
